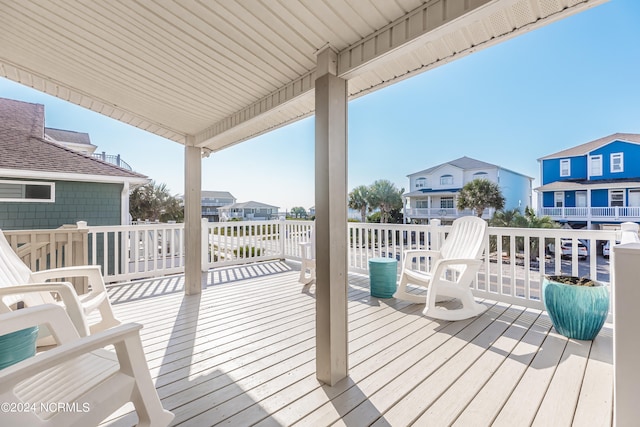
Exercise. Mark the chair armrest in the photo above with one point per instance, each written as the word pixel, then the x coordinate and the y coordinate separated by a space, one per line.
pixel 54 316
pixel 409 254
pixel 67 294
pixel 443 264
pixel 27 368
pixel 91 272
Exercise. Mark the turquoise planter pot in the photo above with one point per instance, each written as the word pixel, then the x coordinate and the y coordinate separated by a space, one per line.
pixel 576 311
pixel 17 346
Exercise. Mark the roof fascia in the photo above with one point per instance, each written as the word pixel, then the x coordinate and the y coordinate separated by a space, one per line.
pixel 58 176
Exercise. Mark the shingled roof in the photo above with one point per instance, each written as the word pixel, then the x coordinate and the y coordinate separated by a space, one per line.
pixel 586 148
pixel 23 147
pixel 68 136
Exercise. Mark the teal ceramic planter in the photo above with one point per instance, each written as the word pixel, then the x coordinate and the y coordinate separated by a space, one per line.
pixel 576 311
pixel 17 346
pixel 383 274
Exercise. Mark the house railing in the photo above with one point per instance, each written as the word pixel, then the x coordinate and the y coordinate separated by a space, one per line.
pixel 515 265
pixel 441 213
pixel 45 249
pixel 584 213
pixel 113 159
pixel 515 258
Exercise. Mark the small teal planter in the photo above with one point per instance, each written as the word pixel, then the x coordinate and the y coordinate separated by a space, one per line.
pixel 17 346
pixel 383 274
pixel 576 311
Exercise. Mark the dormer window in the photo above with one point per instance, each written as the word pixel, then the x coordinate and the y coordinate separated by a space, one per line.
pixel 617 164
pixel 421 183
pixel 446 180
pixel 565 167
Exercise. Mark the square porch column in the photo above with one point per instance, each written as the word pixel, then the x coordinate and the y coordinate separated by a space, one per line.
pixel 331 220
pixel 193 276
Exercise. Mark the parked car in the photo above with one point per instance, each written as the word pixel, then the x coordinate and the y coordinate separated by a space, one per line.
pixel 566 249
pixel 606 249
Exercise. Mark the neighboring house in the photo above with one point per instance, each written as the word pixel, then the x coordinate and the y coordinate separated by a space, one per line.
pixel 212 201
pixel 45 184
pixel 433 192
pixel 594 183
pixel 76 141
pixel 248 211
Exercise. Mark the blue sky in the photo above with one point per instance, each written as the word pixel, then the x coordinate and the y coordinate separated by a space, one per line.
pixel 562 85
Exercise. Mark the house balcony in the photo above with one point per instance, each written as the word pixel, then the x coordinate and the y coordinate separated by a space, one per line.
pixel 445 213
pixel 243 351
pixel 612 213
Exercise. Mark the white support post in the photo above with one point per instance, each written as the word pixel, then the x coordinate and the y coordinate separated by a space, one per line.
pixel 626 346
pixel 192 212
pixel 204 229
pixel 331 221
pixel 282 235
pixel 124 205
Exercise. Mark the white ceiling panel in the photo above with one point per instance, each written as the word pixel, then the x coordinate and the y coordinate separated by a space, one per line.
pixel 224 71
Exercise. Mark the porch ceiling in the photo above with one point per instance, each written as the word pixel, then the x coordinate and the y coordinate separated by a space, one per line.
pixel 225 71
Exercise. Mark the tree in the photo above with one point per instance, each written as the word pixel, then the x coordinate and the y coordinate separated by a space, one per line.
pixel 386 196
pixel 480 194
pixel 298 212
pixel 513 218
pixel 359 199
pixel 154 202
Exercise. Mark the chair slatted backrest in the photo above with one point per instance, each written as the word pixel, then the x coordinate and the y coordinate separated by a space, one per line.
pixel 13 271
pixel 466 240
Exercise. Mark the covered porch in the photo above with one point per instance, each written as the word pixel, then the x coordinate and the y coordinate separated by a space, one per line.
pixel 243 353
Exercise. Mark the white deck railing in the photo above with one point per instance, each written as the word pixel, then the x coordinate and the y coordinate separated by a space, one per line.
pixel 141 251
pixel 130 252
pixel 514 276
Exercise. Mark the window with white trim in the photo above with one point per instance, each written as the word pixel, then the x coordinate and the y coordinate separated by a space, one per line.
pixel 617 162
pixel 558 199
pixel 595 165
pixel 27 191
pixel 421 182
pixel 446 180
pixel 616 198
pixel 565 167
pixel 480 175
pixel 446 203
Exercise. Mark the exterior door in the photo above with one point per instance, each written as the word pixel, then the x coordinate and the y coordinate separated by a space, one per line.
pixel 634 197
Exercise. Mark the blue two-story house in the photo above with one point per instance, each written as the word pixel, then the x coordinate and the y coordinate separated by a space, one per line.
pixel 594 183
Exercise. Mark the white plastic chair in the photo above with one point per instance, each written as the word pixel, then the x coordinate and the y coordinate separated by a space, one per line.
pixel 450 271
pixel 308 254
pixel 19 283
pixel 77 383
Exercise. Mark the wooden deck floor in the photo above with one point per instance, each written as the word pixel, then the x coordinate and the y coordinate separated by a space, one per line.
pixel 242 353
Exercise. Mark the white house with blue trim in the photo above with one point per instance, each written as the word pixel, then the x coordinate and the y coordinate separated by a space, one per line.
pixel 594 183
pixel 433 192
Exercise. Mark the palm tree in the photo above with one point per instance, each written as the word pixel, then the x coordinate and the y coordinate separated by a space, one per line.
pixel 480 194
pixel 154 202
pixel 359 199
pixel 386 196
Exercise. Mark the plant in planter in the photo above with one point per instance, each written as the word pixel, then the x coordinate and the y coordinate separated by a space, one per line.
pixel 578 306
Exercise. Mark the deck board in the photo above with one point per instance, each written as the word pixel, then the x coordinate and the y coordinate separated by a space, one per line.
pixel 243 353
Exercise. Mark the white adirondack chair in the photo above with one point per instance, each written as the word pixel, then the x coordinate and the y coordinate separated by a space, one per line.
pixel 450 271
pixel 308 254
pixel 19 283
pixel 87 381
